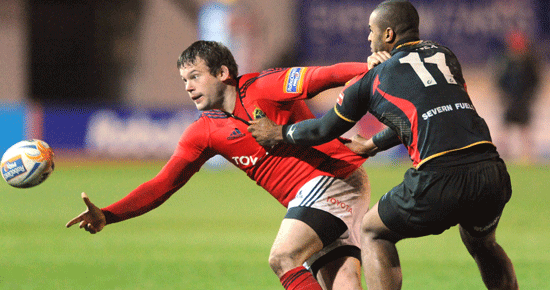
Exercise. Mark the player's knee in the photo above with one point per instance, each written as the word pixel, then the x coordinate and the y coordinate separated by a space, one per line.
pixel 281 261
pixel 367 231
pixel 349 275
pixel 342 273
pixel 478 245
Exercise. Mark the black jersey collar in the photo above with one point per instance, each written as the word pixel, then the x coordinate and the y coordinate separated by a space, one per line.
pixel 405 42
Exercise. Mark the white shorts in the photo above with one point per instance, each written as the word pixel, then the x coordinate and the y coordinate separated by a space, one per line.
pixel 347 199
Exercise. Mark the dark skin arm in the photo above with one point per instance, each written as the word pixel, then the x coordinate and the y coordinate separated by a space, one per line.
pixel 310 132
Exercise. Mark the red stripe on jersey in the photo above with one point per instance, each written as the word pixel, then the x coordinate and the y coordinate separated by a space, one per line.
pixel 410 111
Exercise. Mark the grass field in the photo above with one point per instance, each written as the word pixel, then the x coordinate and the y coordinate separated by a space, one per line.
pixel 216 233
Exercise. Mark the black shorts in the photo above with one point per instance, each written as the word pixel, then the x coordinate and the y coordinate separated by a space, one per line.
pixel 431 200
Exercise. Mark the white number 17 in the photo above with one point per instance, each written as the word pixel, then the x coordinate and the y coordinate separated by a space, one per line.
pixel 418 66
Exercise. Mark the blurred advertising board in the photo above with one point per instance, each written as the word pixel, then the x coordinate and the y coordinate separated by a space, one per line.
pixel 12 130
pixel 131 132
pixel 115 132
pixel 334 31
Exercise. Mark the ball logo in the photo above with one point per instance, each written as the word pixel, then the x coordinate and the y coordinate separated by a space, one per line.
pixel 45 154
pixel 13 167
pixel 42 155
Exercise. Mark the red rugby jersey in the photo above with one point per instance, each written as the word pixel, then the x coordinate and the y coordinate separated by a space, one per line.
pixel 278 94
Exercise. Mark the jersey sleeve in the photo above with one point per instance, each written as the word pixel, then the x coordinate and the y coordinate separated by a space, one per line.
pixel 317 131
pixel 191 153
pixel 298 83
pixel 354 100
pixel 386 139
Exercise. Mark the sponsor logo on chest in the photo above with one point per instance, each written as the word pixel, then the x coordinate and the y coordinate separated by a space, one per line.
pixel 245 160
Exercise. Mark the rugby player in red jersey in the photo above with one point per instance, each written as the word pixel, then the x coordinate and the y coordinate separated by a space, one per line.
pixel 458 176
pixel 325 188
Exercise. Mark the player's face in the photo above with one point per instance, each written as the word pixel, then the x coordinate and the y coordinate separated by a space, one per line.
pixel 376 35
pixel 204 89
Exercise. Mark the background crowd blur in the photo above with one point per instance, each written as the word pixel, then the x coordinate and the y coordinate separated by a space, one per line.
pixel 99 77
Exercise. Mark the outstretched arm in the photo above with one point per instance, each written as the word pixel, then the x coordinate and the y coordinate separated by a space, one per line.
pixel 190 154
pixel 144 198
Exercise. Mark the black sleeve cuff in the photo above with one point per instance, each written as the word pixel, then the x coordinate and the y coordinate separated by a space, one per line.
pixel 386 139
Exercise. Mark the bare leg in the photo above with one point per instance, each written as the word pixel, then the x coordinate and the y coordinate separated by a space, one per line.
pixel 496 268
pixel 379 254
pixel 294 244
pixel 341 274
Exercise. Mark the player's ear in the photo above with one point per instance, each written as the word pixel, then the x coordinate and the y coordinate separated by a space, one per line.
pixel 389 35
pixel 224 73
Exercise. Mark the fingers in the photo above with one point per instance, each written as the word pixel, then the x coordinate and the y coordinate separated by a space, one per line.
pixel 252 125
pixel 384 55
pixel 92 219
pixel 80 218
pixel 258 124
pixel 88 227
pixel 87 201
pixel 358 138
pixel 377 58
pixel 74 221
pixel 381 55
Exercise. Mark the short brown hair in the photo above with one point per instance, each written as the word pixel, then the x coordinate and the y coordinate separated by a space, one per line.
pixel 214 53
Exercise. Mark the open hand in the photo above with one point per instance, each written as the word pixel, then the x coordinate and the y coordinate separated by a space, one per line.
pixel 92 219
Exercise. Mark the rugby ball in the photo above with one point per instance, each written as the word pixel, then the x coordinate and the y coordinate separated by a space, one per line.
pixel 27 163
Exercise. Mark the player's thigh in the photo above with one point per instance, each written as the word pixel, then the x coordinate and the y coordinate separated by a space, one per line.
pixel 476 243
pixel 343 273
pixel 492 190
pixel 372 227
pixel 295 239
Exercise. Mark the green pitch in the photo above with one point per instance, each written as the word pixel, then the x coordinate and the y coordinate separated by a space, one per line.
pixel 216 233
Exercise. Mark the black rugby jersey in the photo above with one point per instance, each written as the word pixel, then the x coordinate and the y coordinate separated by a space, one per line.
pixel 421 94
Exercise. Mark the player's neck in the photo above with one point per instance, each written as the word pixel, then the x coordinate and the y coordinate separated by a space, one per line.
pixel 230 97
pixel 404 40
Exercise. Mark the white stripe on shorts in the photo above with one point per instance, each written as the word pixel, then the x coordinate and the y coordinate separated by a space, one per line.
pixel 318 190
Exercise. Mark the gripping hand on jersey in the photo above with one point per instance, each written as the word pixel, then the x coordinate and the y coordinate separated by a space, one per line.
pixel 266 132
pixel 377 58
pixel 92 219
pixel 362 146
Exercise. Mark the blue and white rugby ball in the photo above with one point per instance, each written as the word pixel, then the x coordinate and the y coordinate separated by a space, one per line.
pixel 27 163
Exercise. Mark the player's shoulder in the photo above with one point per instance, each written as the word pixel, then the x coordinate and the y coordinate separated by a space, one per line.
pixel 250 78
pixel 273 82
pixel 258 80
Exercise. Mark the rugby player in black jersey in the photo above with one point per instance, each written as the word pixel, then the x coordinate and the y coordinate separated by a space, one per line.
pixel 458 176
